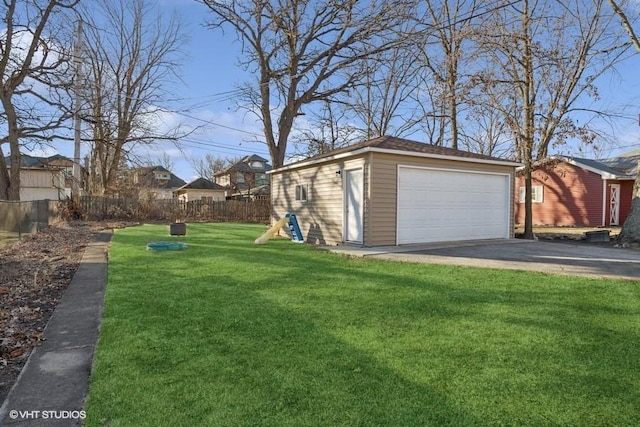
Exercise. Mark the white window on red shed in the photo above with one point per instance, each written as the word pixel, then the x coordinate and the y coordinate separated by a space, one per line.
pixel 536 194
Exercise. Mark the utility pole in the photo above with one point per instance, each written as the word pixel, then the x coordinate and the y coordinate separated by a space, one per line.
pixel 77 123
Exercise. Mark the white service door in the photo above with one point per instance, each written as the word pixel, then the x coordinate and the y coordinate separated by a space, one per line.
pixel 354 206
pixel 614 205
pixel 436 205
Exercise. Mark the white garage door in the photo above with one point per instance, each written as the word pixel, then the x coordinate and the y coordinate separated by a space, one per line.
pixel 436 205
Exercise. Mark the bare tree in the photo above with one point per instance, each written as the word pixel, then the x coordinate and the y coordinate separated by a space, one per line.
pixel 303 51
pixel 163 159
pixel 443 57
pixel 543 59
pixel 208 166
pixel 133 53
pixel 379 104
pixel 626 22
pixel 329 129
pixel 487 133
pixel 383 99
pixel 34 73
pixel 428 99
pixel 631 227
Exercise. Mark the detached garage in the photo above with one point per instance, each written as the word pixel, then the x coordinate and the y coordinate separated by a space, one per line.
pixel 392 191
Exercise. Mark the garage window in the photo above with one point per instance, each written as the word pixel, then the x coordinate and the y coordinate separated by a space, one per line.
pixel 301 192
pixel 536 194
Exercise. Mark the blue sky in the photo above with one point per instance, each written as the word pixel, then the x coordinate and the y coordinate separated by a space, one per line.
pixel 210 70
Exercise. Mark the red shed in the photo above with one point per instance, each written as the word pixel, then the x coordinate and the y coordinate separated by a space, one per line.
pixel 570 191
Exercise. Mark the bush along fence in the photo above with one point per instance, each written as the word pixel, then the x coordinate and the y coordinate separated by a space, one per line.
pixel 102 208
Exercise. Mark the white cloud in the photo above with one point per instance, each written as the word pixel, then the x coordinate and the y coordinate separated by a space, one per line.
pixel 42 152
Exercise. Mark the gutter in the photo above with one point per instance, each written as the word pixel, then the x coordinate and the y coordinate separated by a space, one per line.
pixel 395 152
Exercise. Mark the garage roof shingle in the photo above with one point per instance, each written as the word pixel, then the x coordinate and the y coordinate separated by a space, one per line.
pixel 393 143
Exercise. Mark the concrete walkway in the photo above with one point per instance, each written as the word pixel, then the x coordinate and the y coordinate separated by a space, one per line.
pixel 53 384
pixel 576 259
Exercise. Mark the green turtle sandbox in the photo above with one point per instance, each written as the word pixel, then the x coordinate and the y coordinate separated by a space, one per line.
pixel 166 246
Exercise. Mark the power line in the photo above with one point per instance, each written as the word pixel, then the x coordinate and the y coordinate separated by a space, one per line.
pixel 211 122
pixel 226 150
pixel 215 145
pixel 221 96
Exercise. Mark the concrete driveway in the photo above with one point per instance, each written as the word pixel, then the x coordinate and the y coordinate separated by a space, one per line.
pixel 578 259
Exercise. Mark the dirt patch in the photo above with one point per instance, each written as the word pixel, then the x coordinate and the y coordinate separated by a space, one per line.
pixel 34 274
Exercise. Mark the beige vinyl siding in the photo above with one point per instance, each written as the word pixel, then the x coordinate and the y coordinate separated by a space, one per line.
pixel 384 173
pixel 42 178
pixel 156 193
pixel 41 184
pixel 190 195
pixel 382 210
pixel 30 194
pixel 321 215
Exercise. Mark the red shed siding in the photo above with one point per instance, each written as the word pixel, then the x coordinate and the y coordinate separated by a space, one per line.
pixel 572 196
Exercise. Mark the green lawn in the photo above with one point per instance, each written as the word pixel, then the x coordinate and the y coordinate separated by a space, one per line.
pixel 229 333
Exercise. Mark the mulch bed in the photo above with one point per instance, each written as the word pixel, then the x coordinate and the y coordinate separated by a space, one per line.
pixel 34 274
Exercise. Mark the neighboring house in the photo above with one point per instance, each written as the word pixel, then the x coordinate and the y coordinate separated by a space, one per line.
pixel 570 191
pixel 392 191
pixel 156 182
pixel 201 189
pixel 46 177
pixel 42 184
pixel 262 192
pixel 246 178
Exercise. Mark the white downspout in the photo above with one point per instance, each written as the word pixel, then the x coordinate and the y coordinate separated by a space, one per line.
pixel 604 202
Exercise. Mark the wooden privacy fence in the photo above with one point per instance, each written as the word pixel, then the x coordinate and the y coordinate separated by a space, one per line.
pixel 100 208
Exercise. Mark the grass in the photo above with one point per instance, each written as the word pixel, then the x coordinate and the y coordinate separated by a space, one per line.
pixel 229 333
pixel 6 238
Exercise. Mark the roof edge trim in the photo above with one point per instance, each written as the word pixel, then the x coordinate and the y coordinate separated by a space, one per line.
pixel 391 151
pixel 603 174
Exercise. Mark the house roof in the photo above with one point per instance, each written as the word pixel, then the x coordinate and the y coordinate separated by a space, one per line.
pixel 624 166
pixel 244 165
pixel 27 161
pixel 147 179
pixel 202 184
pixel 395 145
pixel 627 163
pixel 255 191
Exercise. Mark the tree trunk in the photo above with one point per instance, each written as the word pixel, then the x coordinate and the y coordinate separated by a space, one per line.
pixel 631 228
pixel 14 181
pixel 453 100
pixel 528 204
pixel 13 187
pixel 4 177
pixel 528 94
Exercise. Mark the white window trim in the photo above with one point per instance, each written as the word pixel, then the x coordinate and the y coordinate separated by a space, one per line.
pixel 301 192
pixel 537 194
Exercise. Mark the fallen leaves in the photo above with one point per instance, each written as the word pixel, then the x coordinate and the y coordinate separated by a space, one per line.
pixel 34 274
